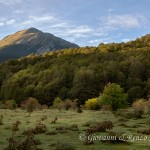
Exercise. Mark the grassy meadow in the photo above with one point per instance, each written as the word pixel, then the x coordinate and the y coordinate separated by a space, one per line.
pixel 74 124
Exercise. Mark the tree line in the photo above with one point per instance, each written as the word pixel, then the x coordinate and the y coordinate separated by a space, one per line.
pixel 78 73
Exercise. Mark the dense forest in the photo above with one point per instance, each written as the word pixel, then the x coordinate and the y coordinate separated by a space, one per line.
pixel 78 73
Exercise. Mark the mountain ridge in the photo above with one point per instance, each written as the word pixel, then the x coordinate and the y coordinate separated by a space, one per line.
pixel 28 41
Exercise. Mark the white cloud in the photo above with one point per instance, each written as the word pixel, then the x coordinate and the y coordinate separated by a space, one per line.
pixel 8 2
pixel 57 26
pixel 125 40
pixel 2 24
pixel 10 22
pixel 5 21
pixel 35 20
pixel 123 21
pixel 98 41
pixel 81 30
pixel 61 25
pixel 46 18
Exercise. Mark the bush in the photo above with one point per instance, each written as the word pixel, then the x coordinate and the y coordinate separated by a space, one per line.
pixel 113 95
pixel 128 114
pixel 67 104
pixel 11 104
pixel 26 143
pixel 139 107
pixel 30 104
pixel 40 128
pixel 64 146
pixel 144 131
pixel 100 127
pixel 92 104
pixel 58 103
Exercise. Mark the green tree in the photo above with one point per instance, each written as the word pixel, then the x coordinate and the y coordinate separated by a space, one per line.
pixel 85 85
pixel 113 95
pixel 58 103
pixel 134 93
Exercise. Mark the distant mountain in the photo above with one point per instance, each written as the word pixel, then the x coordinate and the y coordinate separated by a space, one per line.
pixel 29 41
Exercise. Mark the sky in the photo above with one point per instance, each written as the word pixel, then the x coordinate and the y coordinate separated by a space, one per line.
pixel 84 22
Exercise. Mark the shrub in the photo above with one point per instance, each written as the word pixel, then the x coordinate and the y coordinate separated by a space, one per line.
pixel 64 146
pixel 40 128
pixel 144 131
pixel 92 104
pixel 100 127
pixel 30 104
pixel 67 104
pixel 27 143
pixel 15 126
pixel 113 95
pixel 58 103
pixel 139 107
pixel 11 104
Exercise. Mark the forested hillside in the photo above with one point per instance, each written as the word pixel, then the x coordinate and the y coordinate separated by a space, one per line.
pixel 79 73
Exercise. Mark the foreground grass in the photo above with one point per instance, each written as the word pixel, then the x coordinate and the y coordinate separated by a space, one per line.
pixel 68 118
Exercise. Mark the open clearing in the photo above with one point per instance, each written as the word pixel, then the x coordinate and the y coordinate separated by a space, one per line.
pixel 71 136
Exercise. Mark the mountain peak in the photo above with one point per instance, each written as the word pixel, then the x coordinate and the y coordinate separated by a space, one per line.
pixel 32 30
pixel 30 41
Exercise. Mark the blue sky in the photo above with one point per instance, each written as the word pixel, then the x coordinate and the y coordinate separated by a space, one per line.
pixel 84 22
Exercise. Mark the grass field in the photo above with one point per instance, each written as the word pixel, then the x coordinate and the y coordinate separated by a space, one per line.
pixel 71 136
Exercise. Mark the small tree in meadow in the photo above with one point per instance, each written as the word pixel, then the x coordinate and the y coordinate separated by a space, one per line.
pixel 31 104
pixel 113 95
pixel 58 103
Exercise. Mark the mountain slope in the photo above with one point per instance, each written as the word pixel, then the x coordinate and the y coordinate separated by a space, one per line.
pixel 29 41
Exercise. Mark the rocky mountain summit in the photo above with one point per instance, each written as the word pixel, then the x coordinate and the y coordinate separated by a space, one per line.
pixel 30 41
